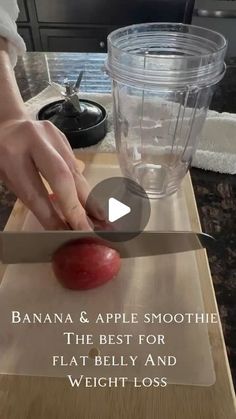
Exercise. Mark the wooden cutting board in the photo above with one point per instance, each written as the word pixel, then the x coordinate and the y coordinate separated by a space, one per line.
pixel 41 397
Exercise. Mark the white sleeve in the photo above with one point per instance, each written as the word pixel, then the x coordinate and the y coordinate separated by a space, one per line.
pixel 8 14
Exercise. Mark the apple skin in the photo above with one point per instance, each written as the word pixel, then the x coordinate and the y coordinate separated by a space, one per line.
pixel 85 263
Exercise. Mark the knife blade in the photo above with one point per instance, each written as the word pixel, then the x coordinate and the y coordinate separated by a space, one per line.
pixel 36 247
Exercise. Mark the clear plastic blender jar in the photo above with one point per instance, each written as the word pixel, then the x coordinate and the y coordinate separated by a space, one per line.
pixel 163 79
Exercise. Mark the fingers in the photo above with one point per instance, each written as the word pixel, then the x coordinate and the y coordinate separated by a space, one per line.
pixel 29 147
pixel 83 189
pixel 56 171
pixel 59 141
pixel 92 206
pixel 31 191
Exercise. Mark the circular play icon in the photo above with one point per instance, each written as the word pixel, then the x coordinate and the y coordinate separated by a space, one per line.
pixel 125 205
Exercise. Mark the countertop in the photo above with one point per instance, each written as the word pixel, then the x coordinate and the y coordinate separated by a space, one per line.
pixel 215 193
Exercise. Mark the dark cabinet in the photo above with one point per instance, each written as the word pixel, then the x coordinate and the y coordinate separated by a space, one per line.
pixel 72 40
pixel 26 34
pixel 23 14
pixel 112 12
pixel 83 25
pixel 24 25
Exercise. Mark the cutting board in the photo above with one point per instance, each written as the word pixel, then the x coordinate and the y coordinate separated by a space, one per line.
pixel 155 284
pixel 52 397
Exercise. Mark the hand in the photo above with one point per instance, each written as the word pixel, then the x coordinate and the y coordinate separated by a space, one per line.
pixel 29 148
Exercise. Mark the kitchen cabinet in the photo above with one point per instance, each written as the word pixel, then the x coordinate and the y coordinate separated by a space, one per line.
pixel 83 39
pixel 26 34
pixel 23 14
pixel 83 25
pixel 116 12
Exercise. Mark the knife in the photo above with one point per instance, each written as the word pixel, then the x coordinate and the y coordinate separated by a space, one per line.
pixel 36 247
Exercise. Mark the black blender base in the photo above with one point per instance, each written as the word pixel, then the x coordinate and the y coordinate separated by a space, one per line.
pixel 80 137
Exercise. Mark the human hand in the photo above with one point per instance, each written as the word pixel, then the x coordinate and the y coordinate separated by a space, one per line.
pixel 29 148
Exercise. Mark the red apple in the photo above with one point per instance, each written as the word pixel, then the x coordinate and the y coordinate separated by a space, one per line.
pixel 85 263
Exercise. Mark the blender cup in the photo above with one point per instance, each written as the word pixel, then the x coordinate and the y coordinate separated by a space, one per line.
pixel 163 78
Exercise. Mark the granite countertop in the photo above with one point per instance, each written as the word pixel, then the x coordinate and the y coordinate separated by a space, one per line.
pixel 215 193
pixel 216 200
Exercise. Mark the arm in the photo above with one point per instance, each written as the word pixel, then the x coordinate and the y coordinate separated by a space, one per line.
pixel 10 98
pixel 29 147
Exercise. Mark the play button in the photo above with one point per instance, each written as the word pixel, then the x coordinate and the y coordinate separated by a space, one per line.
pixel 116 210
pixel 125 205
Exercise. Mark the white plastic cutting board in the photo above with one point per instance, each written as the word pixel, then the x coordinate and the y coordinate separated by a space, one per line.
pixel 161 284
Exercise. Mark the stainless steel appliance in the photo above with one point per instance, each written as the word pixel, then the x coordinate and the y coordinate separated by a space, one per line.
pixel 219 15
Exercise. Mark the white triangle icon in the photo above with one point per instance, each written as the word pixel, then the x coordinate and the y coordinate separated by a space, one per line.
pixel 117 209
